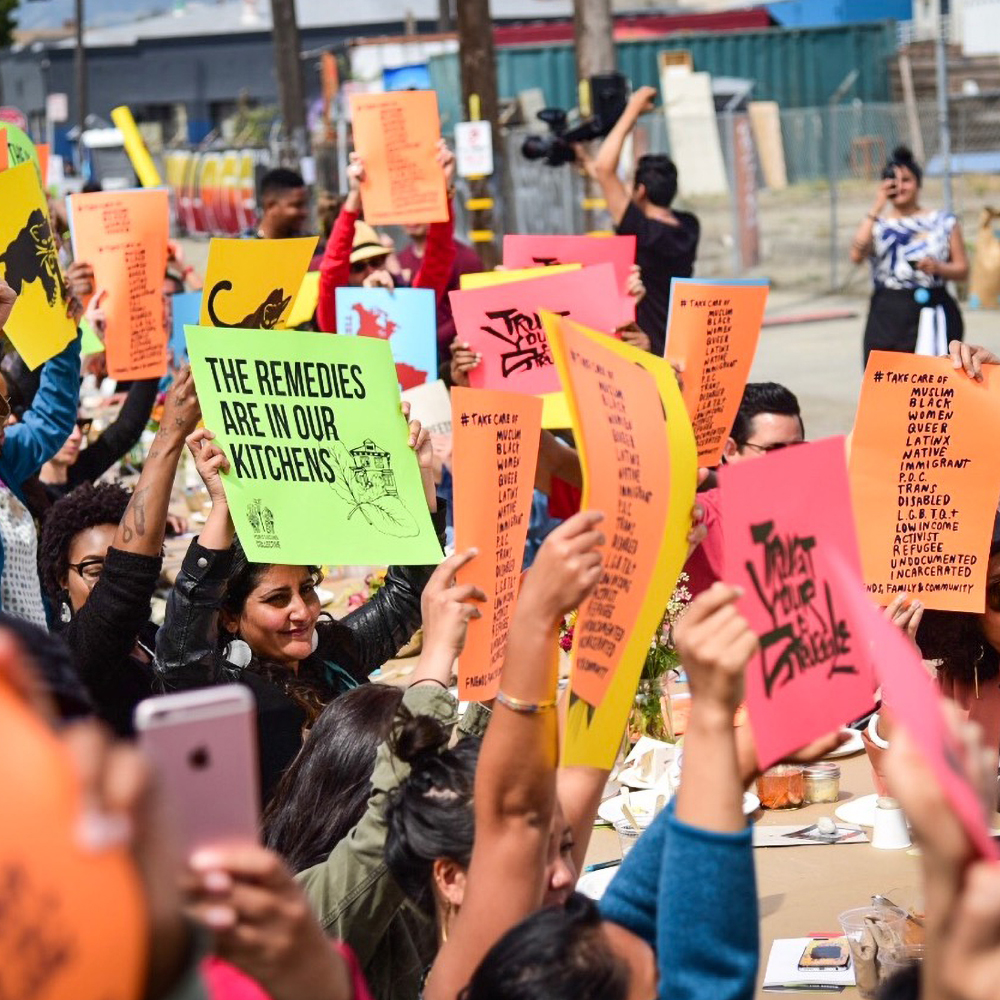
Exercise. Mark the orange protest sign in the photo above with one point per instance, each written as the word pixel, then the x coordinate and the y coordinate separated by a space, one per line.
pixel 924 479
pixel 73 919
pixel 43 162
pixel 396 135
pixel 712 330
pixel 494 448
pixel 592 736
pixel 123 236
pixel 623 444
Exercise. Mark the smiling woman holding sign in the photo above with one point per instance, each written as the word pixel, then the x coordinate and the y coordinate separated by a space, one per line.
pixel 260 623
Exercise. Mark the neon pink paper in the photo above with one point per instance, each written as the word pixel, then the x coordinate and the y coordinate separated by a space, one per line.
pixel 501 323
pixel 785 515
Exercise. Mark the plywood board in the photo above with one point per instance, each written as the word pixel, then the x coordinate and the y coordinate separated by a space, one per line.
pixel 693 133
pixel 765 120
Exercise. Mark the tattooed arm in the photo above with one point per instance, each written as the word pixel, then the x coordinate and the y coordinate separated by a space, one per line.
pixel 142 528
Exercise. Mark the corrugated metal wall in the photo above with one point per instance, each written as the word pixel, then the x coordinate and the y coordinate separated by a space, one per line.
pixel 798 68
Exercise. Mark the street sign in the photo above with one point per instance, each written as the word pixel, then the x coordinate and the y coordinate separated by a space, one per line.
pixel 474 149
pixel 57 107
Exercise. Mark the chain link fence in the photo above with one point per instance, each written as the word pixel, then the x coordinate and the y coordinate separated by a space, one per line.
pixel 833 159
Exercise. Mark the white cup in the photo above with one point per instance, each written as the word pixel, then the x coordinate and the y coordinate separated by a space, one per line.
pixel 890 832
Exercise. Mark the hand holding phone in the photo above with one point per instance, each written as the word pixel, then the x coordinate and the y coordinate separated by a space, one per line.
pixel 203 746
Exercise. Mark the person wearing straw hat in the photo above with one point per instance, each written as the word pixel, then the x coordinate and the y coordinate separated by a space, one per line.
pixel 355 254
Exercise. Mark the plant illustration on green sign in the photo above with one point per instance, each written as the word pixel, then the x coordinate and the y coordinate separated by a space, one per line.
pixel 366 481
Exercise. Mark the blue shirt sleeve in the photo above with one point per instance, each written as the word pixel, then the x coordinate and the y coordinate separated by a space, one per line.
pixel 707 940
pixel 43 429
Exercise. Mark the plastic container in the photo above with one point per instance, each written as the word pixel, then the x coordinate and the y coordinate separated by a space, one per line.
pixel 782 787
pixel 822 783
pixel 873 934
pixel 627 835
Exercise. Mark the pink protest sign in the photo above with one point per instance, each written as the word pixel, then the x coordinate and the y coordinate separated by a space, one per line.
pixel 545 251
pixel 916 704
pixel 502 323
pixel 786 515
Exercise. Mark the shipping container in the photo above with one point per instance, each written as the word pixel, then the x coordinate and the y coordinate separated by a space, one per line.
pixel 798 68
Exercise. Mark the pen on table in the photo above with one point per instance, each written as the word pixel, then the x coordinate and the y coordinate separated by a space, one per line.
pixel 601 866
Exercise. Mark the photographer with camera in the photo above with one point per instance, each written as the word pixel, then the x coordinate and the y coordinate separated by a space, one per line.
pixel 914 253
pixel 666 241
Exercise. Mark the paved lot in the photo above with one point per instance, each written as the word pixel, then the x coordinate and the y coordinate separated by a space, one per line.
pixel 821 361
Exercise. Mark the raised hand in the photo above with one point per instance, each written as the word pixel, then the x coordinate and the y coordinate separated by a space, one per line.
pixel 182 411
pixel 446 608
pixel 965 356
pixel 715 643
pixel 463 360
pixel 905 616
pixel 210 461
pixel 7 299
pixel 567 567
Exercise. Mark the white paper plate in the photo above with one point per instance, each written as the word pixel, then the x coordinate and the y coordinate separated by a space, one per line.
pixel 595 884
pixel 643 803
pixel 854 745
pixel 859 812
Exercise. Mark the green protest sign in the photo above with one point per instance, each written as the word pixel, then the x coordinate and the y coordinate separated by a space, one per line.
pixel 20 149
pixel 321 470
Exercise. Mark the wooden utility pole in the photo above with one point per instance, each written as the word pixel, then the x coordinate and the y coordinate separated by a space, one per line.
pixel 477 61
pixel 288 71
pixel 80 67
pixel 593 30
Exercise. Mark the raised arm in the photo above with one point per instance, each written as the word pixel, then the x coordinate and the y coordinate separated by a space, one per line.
pixel 515 790
pixel 43 429
pixel 605 165
pixel 186 644
pixel 335 268
pixel 120 437
pixel 439 258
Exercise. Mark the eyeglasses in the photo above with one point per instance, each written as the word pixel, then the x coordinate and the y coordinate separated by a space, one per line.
pixel 764 449
pixel 90 570
pixel 993 595
pixel 369 264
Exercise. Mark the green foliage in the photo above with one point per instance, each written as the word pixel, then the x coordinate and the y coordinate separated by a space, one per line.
pixel 8 22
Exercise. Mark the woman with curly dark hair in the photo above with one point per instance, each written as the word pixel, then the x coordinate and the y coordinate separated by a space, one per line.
pixel 99 559
pixel 261 624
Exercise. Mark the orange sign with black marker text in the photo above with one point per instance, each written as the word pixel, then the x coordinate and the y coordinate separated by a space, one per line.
pixel 712 332
pixel 925 480
pixel 123 236
pixel 396 136
pixel 495 449
pixel 72 921
pixel 624 448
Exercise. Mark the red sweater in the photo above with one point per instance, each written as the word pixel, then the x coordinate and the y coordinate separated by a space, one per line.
pixel 334 272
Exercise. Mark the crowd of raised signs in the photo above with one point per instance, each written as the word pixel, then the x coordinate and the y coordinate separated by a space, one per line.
pixel 220 799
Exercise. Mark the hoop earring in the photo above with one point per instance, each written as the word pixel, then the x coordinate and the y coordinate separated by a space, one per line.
pixel 975 669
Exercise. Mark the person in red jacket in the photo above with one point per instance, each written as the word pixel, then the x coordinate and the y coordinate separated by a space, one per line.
pixel 351 258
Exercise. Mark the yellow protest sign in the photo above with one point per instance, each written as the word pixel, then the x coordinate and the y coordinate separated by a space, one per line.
pixel 657 545
pixel 253 284
pixel 304 307
pixel 483 279
pixel 38 327
pixel 135 147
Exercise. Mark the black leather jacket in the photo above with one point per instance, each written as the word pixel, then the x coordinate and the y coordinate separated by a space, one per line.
pixel 189 655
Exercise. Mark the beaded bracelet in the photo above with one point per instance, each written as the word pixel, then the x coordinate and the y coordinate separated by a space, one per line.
pixel 528 707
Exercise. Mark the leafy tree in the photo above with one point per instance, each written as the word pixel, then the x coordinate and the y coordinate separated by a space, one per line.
pixel 7 21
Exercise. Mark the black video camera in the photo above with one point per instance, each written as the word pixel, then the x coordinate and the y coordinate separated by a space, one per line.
pixel 608 95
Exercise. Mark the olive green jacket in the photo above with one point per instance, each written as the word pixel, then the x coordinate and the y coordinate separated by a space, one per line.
pixel 352 893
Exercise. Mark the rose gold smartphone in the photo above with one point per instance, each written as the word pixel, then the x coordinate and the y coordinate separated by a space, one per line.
pixel 203 745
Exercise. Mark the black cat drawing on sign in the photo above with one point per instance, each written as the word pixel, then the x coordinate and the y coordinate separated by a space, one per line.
pixel 264 317
pixel 31 256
